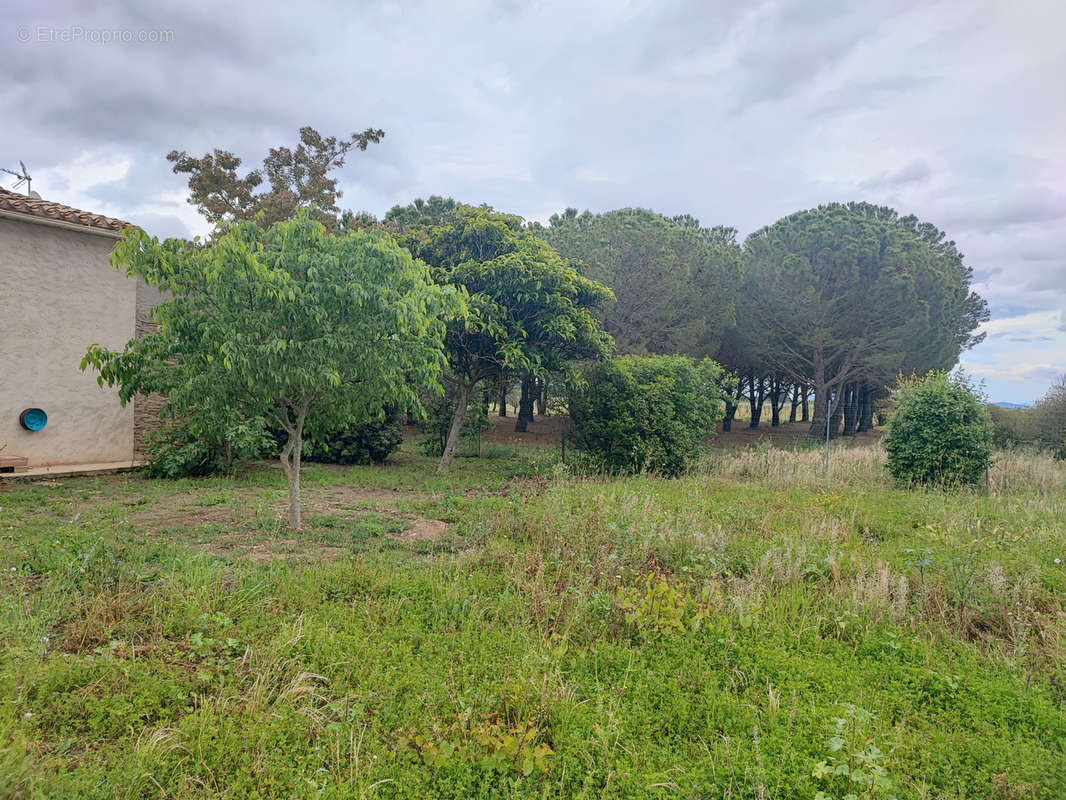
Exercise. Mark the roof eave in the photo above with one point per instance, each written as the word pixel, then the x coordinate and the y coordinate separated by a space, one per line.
pixel 58 223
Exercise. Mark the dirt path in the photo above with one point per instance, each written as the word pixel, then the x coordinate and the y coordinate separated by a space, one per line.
pixel 251 528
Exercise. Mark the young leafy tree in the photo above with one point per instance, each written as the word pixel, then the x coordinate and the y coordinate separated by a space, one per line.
pixel 296 178
pixel 288 323
pixel 530 312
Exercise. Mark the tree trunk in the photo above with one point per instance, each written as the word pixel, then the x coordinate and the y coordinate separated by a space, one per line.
pixel 503 395
pixel 776 401
pixel 525 405
pixel 818 418
pixel 458 420
pixel 837 415
pixel 821 398
pixel 866 409
pixel 727 420
pixel 806 406
pixel 851 408
pixel 753 415
pixel 295 520
pixel 290 465
pixel 756 398
pixel 542 396
pixel 795 403
pixel 732 403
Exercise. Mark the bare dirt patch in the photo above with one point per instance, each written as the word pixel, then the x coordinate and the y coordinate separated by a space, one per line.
pixel 265 551
pixel 422 530
pixel 189 515
pixel 340 496
pixel 249 520
pixel 247 523
pixel 542 431
pixel 188 509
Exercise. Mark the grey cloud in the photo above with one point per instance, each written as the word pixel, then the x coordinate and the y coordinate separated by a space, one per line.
pixel 801 43
pixel 1021 339
pixel 865 94
pixel 1051 278
pixel 163 226
pixel 1028 206
pixel 772 72
pixel 914 172
pixel 1045 375
pixel 1036 255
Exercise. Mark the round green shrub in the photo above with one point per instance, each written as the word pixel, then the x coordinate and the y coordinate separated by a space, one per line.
pixel 197 446
pixel 368 442
pixel 174 452
pixel 940 434
pixel 645 414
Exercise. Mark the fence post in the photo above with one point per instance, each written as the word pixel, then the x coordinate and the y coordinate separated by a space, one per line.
pixel 828 416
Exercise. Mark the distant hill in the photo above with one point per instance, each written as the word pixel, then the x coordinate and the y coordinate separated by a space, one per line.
pixel 1010 405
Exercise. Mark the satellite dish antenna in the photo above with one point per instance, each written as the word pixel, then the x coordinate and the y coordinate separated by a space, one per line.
pixel 23 178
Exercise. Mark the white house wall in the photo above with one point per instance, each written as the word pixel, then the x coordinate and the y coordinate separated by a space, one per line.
pixel 58 294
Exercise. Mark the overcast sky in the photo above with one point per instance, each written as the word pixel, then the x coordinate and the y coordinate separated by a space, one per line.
pixel 737 113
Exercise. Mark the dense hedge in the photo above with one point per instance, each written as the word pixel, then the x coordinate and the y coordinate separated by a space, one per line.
pixel 194 448
pixel 180 451
pixel 940 434
pixel 646 414
pixel 174 452
pixel 365 443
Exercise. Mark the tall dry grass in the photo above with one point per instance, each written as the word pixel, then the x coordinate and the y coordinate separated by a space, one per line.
pixel 802 467
pixel 964 564
pixel 1021 470
pixel 1013 471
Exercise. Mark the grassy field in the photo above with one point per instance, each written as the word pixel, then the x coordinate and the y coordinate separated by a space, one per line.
pixel 753 630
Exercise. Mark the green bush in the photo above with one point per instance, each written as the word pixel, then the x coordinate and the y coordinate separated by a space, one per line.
pixel 368 442
pixel 940 434
pixel 176 453
pixel 190 449
pixel 637 414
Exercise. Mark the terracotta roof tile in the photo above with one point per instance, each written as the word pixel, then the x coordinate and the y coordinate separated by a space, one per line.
pixel 31 206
